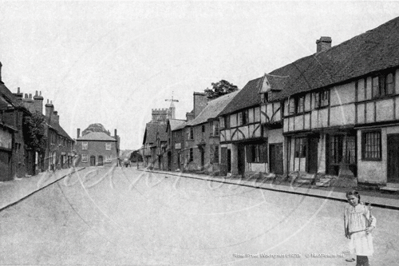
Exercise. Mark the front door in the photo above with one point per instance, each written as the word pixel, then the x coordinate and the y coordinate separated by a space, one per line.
pixel 169 161
pixel 228 160
pixel 393 158
pixel 241 160
pixel 100 160
pixel 5 166
pixel 312 155
pixel 276 158
pixel 202 158
pixel 92 160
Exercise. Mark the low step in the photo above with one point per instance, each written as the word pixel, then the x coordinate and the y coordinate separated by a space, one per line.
pixel 390 189
pixel 322 184
pixel 304 181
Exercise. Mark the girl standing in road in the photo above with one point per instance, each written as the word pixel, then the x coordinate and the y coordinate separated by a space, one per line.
pixel 359 223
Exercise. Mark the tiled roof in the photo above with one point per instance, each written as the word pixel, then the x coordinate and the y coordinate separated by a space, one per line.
pixel 247 97
pixel 97 136
pixel 213 109
pixel 7 94
pixel 371 51
pixel 151 130
pixel 176 123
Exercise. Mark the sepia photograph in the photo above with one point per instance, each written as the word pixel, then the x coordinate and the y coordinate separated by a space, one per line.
pixel 236 133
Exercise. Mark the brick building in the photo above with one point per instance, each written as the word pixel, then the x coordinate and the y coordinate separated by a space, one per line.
pixel 97 149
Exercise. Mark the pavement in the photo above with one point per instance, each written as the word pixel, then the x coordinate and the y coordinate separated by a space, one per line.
pixel 14 191
pixel 375 197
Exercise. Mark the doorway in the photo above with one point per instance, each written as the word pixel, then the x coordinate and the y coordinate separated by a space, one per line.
pixel 393 158
pixel 276 158
pixel 92 160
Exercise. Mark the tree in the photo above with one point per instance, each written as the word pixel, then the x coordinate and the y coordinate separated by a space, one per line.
pixel 35 132
pixel 220 88
pixel 97 127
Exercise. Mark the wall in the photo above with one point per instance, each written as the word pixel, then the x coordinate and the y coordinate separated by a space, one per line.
pixel 97 148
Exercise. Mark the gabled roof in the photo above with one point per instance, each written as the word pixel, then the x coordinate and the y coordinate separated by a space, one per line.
pixel 213 109
pixel 96 136
pixel 175 123
pixel 366 53
pixel 8 96
pixel 151 131
pixel 247 97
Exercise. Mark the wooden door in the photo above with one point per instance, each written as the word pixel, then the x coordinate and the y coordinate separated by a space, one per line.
pixel 312 159
pixel 228 160
pixel 276 158
pixel 241 159
pixel 393 158
pixel 92 160
pixel 5 166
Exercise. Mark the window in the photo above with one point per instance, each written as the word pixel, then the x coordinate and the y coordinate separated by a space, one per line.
pixel 383 85
pixel 321 98
pixel 191 133
pixel 215 129
pixel 300 106
pixel 108 146
pixel 300 147
pixel 203 128
pixel 256 153
pixel 84 158
pixel 264 97
pixel 242 118
pixel 216 154
pixel 85 146
pixel 108 158
pixel 371 145
pixel 291 106
pixel 222 122
pixel 227 121
pixel 191 158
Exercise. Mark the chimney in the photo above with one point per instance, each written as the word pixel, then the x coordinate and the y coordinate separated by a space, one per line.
pixel 38 102
pixel 1 80
pixel 78 133
pixel 19 95
pixel 190 116
pixel 200 101
pixel 56 117
pixel 115 133
pixel 323 44
pixel 49 108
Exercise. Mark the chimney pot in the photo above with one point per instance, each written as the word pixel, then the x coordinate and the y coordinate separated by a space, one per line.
pixel 323 44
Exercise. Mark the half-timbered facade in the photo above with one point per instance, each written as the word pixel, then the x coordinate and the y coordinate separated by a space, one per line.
pixel 242 139
pixel 339 108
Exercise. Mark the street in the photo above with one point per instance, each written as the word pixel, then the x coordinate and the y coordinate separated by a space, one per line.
pixel 122 216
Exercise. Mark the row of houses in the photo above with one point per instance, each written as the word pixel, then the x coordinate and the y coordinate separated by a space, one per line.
pixel 333 113
pixel 19 156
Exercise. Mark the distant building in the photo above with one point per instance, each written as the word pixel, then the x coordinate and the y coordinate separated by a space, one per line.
pixel 97 149
pixel 156 138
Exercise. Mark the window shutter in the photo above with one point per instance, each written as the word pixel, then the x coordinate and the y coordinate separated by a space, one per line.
pixel 249 153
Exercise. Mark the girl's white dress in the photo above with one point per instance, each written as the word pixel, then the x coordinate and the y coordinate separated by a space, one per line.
pixel 356 220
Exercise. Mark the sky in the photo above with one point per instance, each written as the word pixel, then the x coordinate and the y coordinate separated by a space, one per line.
pixel 112 62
